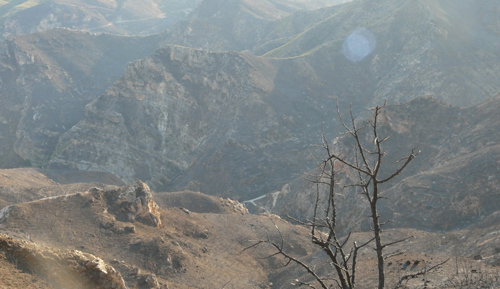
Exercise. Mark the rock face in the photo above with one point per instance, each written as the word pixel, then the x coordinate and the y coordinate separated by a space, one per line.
pixel 135 202
pixel 185 116
pixel 63 269
pixel 46 81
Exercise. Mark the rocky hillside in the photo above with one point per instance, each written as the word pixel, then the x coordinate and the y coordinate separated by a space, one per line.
pixel 146 245
pixel 287 98
pixel 186 116
pixel 236 25
pixel 26 185
pixel 450 185
pixel 116 17
pixel 239 125
pixel 230 102
pixel 97 237
pixel 46 81
pixel 74 268
pixel 400 50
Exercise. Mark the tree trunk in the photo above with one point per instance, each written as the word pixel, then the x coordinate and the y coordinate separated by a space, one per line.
pixel 378 244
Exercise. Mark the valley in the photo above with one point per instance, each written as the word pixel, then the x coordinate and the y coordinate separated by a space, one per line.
pixel 151 144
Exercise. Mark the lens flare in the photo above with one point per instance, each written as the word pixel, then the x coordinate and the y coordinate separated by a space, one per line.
pixel 359 44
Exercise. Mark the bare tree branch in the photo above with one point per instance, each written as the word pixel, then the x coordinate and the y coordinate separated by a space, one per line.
pixel 395 254
pixel 398 172
pixel 366 163
pixel 398 241
pixel 416 275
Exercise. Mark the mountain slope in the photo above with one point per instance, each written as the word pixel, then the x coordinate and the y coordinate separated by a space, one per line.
pixel 47 79
pixel 232 124
pixel 187 115
pixel 234 25
pixel 189 249
pixel 79 234
pixel 417 50
pixel 127 17
pixel 453 183
pixel 447 49
pixel 190 116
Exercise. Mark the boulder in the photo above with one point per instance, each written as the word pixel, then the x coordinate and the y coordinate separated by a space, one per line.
pixel 134 202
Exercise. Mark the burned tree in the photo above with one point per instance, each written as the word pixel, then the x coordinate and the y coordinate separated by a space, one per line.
pixel 365 161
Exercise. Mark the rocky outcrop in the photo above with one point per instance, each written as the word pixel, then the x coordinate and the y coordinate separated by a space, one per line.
pixel 63 269
pixel 115 207
pixel 134 202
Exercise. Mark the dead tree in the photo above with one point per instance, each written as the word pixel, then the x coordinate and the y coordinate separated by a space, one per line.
pixel 366 161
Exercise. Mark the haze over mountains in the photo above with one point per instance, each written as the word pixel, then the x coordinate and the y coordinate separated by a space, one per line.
pixel 48 78
pixel 228 98
pixel 284 99
pixel 116 17
pixel 453 183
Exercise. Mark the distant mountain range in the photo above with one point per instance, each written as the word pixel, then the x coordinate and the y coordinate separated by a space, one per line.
pixel 218 94
pixel 125 17
pixel 243 24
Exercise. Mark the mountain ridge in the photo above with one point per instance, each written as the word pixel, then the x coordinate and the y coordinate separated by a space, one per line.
pixel 144 17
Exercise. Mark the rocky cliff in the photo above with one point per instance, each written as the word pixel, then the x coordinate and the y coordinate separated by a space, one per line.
pixel 46 79
pixel 190 116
